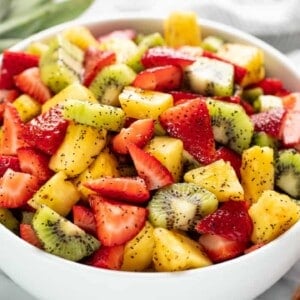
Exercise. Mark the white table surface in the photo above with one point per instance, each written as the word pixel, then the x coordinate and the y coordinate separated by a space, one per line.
pixel 285 287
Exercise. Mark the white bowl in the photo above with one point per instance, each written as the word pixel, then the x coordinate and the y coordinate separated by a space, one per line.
pixel 49 277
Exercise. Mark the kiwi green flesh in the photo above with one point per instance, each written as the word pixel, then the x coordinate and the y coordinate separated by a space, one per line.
pixel 263 139
pixel 8 220
pixel 61 237
pixel 231 125
pixel 180 206
pixel 94 114
pixel 109 82
pixel 287 172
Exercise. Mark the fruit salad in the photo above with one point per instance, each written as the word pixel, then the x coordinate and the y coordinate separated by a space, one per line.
pixel 146 152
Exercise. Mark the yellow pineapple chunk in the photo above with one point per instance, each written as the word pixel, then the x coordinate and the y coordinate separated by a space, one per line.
pixel 272 215
pixel 138 252
pixel 105 164
pixel 142 104
pixel 27 107
pixel 81 37
pixel 257 171
pixel 175 252
pixel 72 91
pixel 37 48
pixel 168 151
pixel 182 29
pixel 219 178
pixel 82 143
pixel 249 57
pixel 58 193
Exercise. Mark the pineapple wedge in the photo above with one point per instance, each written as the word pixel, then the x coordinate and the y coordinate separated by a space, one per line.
pixel 105 164
pixel 57 193
pixel 257 171
pixel 73 91
pixel 168 151
pixel 176 252
pixel 80 146
pixel 182 29
pixel 249 57
pixel 27 107
pixel 219 178
pixel 272 215
pixel 142 104
pixel 81 37
pixel 138 252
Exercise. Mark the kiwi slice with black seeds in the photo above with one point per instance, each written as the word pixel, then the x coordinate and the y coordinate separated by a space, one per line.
pixel 61 237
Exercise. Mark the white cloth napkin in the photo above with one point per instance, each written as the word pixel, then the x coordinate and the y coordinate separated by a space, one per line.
pixel 275 21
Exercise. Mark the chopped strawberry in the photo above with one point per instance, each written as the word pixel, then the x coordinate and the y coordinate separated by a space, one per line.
pixel 182 95
pixel 131 189
pixel 231 156
pixel 161 56
pixel 128 34
pixel 231 99
pixel 253 248
pixel 155 174
pixel 162 78
pixel 269 121
pixel 190 122
pixel 35 163
pixel 16 188
pixel 13 63
pixel 107 257
pixel 9 162
pixel 231 221
pixel 6 96
pixel 28 234
pixel 47 131
pixel 271 86
pixel 84 218
pixel 249 109
pixel 12 130
pixel 239 72
pixel 139 133
pixel 116 222
pixel 219 249
pixel 94 61
pixel 292 102
pixel 30 83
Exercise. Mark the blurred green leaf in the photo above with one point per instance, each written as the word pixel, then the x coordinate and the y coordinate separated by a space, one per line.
pixel 5 9
pixel 21 7
pixel 6 43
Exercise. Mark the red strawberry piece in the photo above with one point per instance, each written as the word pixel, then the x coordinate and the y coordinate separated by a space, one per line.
pixel 163 78
pixel 161 56
pixel 84 218
pixel 13 63
pixel 6 96
pixel 231 99
pixel 12 130
pixel 155 174
pixel 9 162
pixel 182 95
pixel 231 156
pixel 219 249
pixel 292 102
pixel 249 109
pixel 190 122
pixel 139 133
pixel 30 83
pixel 131 189
pixel 117 223
pixel 107 257
pixel 47 131
pixel 28 234
pixel 35 163
pixel 128 34
pixel 271 86
pixel 253 248
pixel 16 188
pixel 269 121
pixel 239 72
pixel 231 221
pixel 94 61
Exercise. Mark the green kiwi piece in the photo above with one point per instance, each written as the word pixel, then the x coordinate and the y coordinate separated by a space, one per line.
pixel 250 95
pixel 109 82
pixel 231 125
pixel 212 43
pixel 94 114
pixel 180 206
pixel 61 237
pixel 210 77
pixel 62 64
pixel 263 139
pixel 8 220
pixel 287 172
pixel 189 162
